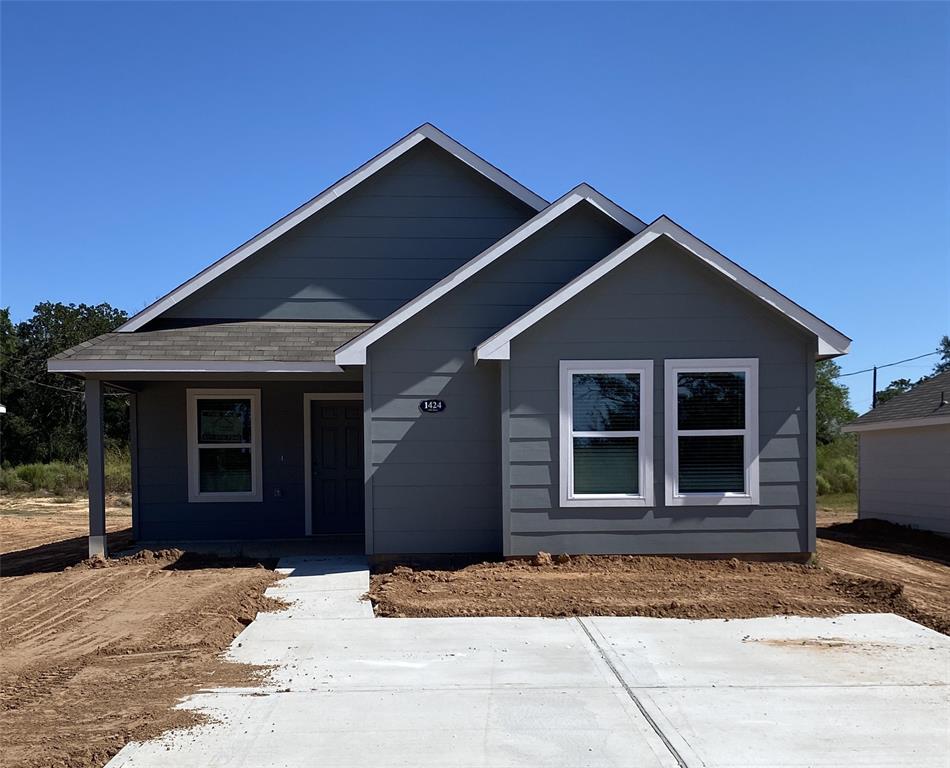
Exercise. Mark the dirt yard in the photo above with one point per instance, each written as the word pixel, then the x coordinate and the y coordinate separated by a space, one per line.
pixel 97 654
pixel 859 569
pixel 49 533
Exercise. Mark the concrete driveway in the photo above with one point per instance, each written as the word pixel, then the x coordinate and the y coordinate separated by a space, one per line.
pixel 352 690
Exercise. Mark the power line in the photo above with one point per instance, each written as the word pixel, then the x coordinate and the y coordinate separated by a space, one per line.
pixel 886 365
pixel 60 389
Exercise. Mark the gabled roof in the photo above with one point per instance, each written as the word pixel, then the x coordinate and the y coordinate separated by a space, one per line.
pixel 344 185
pixel 831 342
pixel 926 404
pixel 245 347
pixel 354 352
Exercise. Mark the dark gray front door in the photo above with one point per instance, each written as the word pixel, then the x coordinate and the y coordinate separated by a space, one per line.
pixel 336 432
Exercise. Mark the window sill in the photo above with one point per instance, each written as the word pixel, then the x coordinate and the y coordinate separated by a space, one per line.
pixel 211 498
pixel 607 501
pixel 712 501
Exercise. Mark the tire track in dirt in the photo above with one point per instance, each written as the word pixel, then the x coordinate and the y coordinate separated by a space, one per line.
pixel 97 655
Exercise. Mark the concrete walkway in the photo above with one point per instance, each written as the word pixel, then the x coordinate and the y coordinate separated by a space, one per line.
pixel 351 690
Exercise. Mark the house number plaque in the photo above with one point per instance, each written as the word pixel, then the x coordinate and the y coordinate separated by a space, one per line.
pixel 432 406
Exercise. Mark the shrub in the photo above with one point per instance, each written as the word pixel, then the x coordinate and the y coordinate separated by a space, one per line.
pixel 62 479
pixel 837 466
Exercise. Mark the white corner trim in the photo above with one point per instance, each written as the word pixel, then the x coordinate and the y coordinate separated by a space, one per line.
pixel 923 421
pixel 308 400
pixel 354 351
pixel 750 433
pixel 195 496
pixel 567 497
pixel 344 185
pixel 189 366
pixel 831 342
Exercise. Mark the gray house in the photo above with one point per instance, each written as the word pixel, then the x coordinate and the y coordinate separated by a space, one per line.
pixel 428 357
pixel 904 457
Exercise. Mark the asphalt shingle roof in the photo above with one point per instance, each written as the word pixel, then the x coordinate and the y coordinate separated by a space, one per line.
pixel 244 341
pixel 921 402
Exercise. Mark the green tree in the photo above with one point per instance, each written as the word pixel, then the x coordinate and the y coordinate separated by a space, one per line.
pixel 943 365
pixel 831 400
pixel 896 387
pixel 45 417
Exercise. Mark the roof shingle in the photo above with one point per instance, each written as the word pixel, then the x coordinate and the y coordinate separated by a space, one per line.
pixel 243 341
pixel 921 402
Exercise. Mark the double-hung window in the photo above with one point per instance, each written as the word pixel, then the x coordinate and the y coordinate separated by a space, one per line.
pixel 224 445
pixel 606 433
pixel 711 432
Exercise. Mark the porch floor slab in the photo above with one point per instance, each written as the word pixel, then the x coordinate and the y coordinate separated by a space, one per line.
pixel 348 690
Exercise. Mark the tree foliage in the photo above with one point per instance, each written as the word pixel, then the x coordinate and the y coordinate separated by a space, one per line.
pixel 45 419
pixel 898 386
pixel 831 400
pixel 943 365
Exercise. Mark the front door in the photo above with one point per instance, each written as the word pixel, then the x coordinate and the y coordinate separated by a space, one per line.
pixel 336 471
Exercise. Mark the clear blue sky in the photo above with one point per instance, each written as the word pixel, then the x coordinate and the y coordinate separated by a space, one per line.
pixel 810 142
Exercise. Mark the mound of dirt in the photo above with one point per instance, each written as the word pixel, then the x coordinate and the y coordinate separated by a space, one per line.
pixel 635 586
pixel 881 534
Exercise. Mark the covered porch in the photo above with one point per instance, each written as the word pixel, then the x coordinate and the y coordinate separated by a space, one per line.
pixel 243 435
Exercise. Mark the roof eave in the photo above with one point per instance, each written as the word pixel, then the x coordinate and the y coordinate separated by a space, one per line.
pixel 354 351
pixel 86 367
pixel 333 192
pixel 876 426
pixel 831 342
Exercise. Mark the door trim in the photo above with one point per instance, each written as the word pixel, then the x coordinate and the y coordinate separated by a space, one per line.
pixel 308 399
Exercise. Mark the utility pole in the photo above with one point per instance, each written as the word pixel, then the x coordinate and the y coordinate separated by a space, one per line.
pixel 874 385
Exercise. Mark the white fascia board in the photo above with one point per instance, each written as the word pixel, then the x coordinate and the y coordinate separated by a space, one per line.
pixel 354 351
pixel 498 347
pixel 831 342
pixel 344 185
pixel 189 366
pixel 926 421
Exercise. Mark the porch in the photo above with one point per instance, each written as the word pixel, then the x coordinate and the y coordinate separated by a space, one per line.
pixel 229 454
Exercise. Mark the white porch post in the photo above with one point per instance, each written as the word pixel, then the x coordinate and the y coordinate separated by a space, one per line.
pixel 95 454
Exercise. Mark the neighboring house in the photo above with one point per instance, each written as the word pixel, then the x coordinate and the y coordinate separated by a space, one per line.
pixel 904 457
pixel 430 358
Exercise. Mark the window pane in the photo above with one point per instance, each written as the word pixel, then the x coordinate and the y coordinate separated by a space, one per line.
pixel 224 420
pixel 711 464
pixel 711 400
pixel 224 470
pixel 606 402
pixel 606 465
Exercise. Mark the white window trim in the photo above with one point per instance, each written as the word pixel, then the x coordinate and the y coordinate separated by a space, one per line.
pixel 194 494
pixel 645 434
pixel 750 367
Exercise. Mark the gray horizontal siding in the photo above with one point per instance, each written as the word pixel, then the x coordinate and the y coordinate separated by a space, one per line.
pixel 437 477
pixel 370 251
pixel 164 512
pixel 650 542
pixel 905 477
pixel 660 305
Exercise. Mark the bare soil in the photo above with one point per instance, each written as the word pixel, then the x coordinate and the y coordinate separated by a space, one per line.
pixel 97 654
pixel 49 533
pixel 881 568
